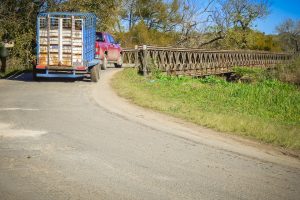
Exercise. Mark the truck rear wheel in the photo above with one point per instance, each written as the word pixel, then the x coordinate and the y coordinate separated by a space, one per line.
pixel 34 76
pixel 119 63
pixel 95 74
pixel 104 64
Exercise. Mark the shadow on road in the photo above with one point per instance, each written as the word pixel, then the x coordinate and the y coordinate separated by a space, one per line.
pixel 26 76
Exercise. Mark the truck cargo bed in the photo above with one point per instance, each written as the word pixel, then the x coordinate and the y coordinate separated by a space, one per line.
pixel 65 39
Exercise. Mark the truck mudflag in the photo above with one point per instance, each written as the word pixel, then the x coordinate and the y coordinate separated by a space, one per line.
pixel 66 45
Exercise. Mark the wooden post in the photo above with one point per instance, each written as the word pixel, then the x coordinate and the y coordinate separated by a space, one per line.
pixel 145 60
pixel 3 64
pixel 136 56
pixel 72 32
pixel 3 56
pixel 48 40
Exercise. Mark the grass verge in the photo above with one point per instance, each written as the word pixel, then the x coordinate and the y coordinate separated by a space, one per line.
pixel 267 110
pixel 14 66
pixel 10 73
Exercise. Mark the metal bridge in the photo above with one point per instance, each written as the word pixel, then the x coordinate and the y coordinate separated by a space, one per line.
pixel 199 62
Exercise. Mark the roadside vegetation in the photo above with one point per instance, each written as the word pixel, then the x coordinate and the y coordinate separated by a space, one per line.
pixel 13 71
pixel 14 66
pixel 257 104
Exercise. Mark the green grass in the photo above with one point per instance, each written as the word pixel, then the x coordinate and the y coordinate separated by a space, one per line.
pixel 267 110
pixel 9 73
pixel 14 65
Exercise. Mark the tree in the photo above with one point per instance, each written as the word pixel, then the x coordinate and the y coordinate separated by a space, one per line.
pixel 107 11
pixel 237 16
pixel 155 14
pixel 289 34
pixel 155 22
pixel 128 12
pixel 18 24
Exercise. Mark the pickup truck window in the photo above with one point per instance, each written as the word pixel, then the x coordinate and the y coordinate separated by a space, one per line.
pixel 99 37
pixel 111 39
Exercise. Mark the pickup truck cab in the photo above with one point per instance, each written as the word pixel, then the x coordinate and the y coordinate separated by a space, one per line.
pixel 108 50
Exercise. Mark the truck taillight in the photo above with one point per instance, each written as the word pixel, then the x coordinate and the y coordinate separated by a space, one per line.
pixel 97 52
pixel 80 68
pixel 40 67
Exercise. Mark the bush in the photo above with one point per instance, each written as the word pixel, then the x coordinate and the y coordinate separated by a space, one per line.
pixel 252 74
pixel 288 73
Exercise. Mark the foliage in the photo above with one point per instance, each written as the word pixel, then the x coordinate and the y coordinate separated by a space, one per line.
pixel 288 73
pixel 156 14
pixel 289 34
pixel 267 110
pixel 254 74
pixel 235 38
pixel 152 22
pixel 140 34
pixel 242 13
pixel 259 41
pixel 213 80
pixel 233 20
pixel 106 10
pixel 17 23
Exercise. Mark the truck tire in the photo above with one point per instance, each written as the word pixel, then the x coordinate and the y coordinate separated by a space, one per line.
pixel 99 70
pixel 119 63
pixel 34 76
pixel 104 64
pixel 95 74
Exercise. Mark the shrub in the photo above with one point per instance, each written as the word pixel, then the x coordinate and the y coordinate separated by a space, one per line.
pixel 288 73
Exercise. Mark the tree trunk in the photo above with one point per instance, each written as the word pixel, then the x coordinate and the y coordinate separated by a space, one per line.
pixel 3 64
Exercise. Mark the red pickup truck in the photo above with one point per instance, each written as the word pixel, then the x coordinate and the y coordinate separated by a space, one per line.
pixel 108 50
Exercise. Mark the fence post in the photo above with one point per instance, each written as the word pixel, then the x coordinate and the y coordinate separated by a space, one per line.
pixel 145 60
pixel 3 57
pixel 136 56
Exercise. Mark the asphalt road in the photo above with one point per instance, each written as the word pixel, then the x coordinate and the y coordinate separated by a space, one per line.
pixel 77 140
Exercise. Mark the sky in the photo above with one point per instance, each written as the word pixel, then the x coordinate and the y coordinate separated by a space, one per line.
pixel 280 11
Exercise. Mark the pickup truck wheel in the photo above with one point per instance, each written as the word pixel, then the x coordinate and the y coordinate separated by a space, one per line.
pixel 104 64
pixel 94 74
pixel 119 63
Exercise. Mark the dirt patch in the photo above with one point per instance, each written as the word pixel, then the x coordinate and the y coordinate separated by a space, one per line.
pixel 7 130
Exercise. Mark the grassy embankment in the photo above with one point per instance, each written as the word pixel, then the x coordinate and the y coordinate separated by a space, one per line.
pixel 14 66
pixel 265 109
pixel 11 72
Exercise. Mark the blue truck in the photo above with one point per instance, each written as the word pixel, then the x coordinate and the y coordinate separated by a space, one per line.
pixel 66 46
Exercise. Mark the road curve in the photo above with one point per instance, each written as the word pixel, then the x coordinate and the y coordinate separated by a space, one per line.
pixel 79 140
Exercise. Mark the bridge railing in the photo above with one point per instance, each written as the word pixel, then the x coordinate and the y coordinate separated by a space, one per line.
pixel 198 62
